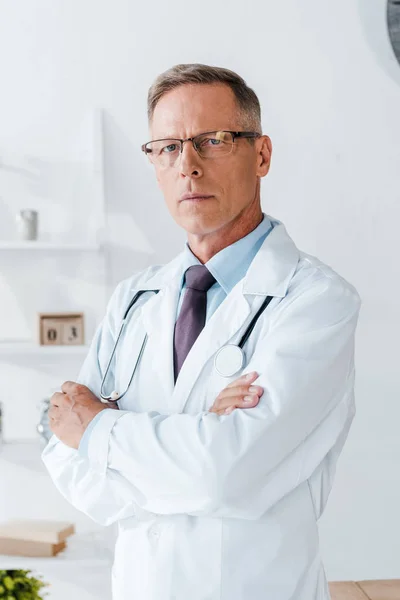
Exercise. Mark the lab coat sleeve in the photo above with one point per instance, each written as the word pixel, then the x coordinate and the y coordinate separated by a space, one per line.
pixel 84 443
pixel 239 465
pixel 104 499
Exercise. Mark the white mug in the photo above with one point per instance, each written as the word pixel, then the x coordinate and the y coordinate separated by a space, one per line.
pixel 27 224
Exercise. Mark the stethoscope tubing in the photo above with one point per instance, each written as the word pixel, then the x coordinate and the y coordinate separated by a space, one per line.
pixel 253 322
pixel 131 304
pixel 136 297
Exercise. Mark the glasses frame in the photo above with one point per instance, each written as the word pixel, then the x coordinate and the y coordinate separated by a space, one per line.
pixel 235 134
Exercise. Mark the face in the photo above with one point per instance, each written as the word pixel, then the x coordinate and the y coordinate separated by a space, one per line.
pixel 230 181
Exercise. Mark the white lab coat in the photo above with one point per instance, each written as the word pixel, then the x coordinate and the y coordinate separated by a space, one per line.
pixel 220 507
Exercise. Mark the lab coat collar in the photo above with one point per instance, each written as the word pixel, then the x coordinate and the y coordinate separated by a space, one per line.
pixel 269 273
pixel 230 264
pixel 274 264
pixel 162 277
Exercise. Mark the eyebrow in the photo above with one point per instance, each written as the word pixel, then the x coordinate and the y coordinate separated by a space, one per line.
pixel 175 137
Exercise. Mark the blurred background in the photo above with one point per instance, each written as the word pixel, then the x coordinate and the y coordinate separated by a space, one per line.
pixel 74 77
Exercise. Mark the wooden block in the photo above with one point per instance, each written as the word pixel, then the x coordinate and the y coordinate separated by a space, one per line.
pixel 51 532
pixel 346 590
pixel 12 547
pixel 72 332
pixel 51 332
pixel 61 329
pixel 388 589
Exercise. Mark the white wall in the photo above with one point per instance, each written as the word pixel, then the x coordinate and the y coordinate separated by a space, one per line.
pixel 330 92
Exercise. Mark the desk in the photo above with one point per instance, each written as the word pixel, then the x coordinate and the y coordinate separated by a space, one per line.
pixel 388 589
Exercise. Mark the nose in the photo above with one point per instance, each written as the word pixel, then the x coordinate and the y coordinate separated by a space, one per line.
pixel 190 162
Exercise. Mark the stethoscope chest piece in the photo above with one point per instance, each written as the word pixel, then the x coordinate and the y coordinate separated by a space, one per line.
pixel 229 360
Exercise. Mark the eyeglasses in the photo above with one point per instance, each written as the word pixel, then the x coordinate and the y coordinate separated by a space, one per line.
pixel 211 144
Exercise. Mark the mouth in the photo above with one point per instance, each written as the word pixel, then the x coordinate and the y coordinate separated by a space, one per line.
pixel 195 197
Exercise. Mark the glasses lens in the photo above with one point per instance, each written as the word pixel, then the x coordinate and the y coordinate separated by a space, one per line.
pixel 212 145
pixel 163 152
pixel 208 145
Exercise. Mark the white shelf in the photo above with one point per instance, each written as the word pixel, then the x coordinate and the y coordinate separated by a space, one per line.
pixel 31 348
pixel 38 245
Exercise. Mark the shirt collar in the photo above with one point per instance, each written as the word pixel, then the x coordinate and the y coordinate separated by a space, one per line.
pixel 230 264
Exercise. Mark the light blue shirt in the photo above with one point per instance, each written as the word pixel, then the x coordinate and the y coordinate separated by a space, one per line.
pixel 228 266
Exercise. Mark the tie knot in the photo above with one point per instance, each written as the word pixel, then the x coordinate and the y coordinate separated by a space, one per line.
pixel 198 277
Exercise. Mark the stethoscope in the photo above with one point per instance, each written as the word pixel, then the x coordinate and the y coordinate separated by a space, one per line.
pixel 228 360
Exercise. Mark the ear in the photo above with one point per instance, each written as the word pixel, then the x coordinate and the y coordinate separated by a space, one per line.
pixel 264 154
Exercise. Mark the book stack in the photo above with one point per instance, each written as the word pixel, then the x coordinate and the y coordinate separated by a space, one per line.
pixel 34 537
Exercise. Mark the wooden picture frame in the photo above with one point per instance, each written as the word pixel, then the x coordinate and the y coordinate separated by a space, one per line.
pixel 61 329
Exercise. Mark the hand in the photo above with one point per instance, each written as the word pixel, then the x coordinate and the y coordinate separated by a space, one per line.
pixel 233 396
pixel 71 411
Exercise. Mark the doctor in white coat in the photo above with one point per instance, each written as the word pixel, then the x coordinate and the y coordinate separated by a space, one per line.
pixel 216 482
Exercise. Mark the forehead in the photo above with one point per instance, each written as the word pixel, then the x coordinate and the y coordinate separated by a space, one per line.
pixel 192 109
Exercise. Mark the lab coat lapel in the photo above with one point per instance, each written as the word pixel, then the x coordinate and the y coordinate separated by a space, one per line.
pixel 158 316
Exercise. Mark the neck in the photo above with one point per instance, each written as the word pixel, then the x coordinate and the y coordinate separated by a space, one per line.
pixel 206 246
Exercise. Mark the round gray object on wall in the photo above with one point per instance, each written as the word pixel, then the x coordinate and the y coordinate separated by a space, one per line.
pixel 374 24
pixel 393 20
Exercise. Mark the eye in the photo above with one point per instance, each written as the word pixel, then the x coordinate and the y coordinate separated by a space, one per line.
pixel 170 148
pixel 210 142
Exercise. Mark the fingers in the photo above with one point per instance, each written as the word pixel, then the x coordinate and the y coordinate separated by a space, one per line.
pixel 67 386
pixel 57 399
pixel 52 414
pixel 248 377
pixel 241 393
pixel 69 389
pixel 72 387
pixel 227 405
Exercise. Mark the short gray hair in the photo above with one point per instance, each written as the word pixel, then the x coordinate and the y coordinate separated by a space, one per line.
pixel 196 73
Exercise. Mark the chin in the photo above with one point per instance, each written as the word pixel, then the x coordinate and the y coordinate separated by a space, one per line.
pixel 198 221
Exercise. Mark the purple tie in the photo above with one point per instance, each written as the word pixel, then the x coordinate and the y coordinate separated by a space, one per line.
pixel 192 315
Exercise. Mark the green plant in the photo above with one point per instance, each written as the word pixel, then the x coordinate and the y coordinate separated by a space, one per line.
pixel 19 585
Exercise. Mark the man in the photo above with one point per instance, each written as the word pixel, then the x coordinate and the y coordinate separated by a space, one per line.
pixel 216 482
